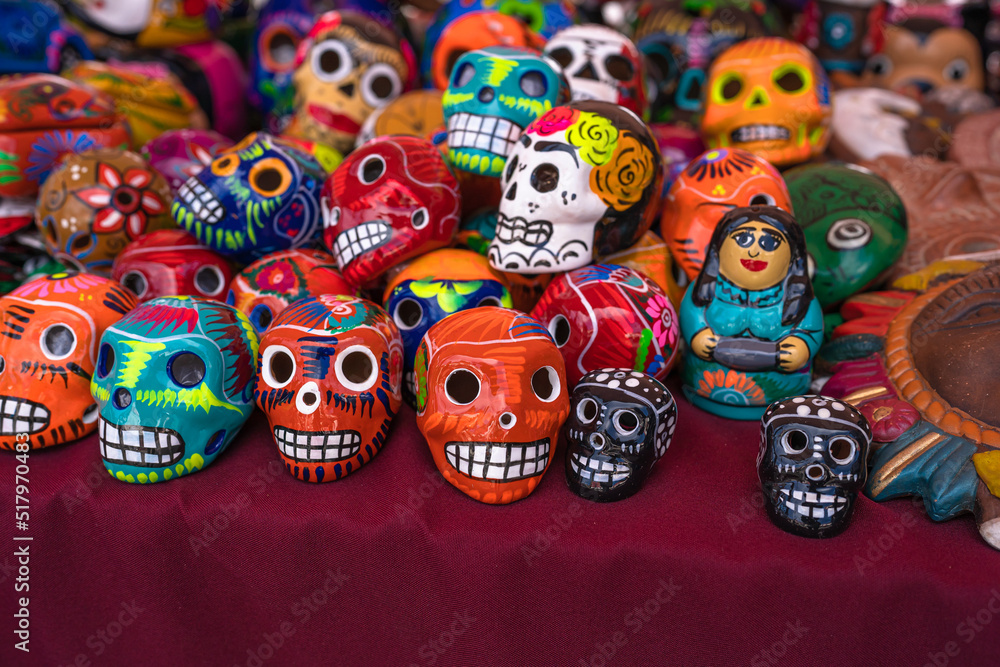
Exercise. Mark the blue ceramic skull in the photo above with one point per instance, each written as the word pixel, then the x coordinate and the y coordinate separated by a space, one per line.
pixel 493 94
pixel 281 26
pixel 258 197
pixel 174 384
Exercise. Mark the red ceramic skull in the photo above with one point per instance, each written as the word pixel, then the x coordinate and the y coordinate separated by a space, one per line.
pixel 610 316
pixel 171 262
pixel 51 328
pixel 392 199
pixel 328 380
pixel 491 398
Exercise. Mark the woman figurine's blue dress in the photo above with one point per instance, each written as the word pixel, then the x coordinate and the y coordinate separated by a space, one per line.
pixel 750 320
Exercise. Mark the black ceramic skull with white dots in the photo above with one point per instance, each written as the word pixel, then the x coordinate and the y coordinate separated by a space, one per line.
pixel 812 463
pixel 620 423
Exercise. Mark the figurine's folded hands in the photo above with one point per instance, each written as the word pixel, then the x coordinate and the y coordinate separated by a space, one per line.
pixel 793 353
pixel 704 342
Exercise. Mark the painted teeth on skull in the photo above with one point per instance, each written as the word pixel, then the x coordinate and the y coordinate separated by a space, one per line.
pixel 138 445
pixel 489 133
pixel 499 461
pixel 534 233
pixel 201 201
pixel 22 416
pixel 811 504
pixel 316 447
pixel 356 241
pixel 749 133
pixel 597 470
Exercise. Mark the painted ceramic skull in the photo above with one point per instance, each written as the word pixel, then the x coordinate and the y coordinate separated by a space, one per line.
pixel 610 316
pixel 494 93
pixel 260 196
pixel 51 327
pixel 174 383
pixel 600 64
pixel 322 363
pixel 171 262
pixel 280 27
pixel 92 205
pixel 620 423
pixel 709 187
pixel 390 200
pixel 812 463
pixel 491 398
pixel 582 182
pixel 769 96
pixel 274 282
pixel 346 67
pixel 180 154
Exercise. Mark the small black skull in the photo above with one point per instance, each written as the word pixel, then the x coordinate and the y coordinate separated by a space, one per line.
pixel 812 463
pixel 620 423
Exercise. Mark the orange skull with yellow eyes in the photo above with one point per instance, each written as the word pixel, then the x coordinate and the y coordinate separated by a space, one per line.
pixel 769 96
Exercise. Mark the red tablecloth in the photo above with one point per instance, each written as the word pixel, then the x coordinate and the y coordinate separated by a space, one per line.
pixel 243 565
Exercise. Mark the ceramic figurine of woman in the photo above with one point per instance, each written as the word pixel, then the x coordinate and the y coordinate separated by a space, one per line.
pixel 750 320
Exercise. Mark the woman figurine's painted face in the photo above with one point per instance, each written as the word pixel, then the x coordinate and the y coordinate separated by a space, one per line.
pixel 755 256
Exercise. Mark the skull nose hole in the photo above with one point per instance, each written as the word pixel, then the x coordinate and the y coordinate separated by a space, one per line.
pixel 507 420
pixel 309 399
pixel 815 472
pixel 597 441
pixel 347 89
pixel 486 94
pixel 122 398
pixel 587 72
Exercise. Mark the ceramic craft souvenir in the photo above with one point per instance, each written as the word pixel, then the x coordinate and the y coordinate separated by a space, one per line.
pixel 493 94
pixel 471 32
pixel 769 96
pixel 174 384
pixel 842 33
pixel 812 463
pixel 610 316
pixel 214 74
pixel 582 182
pixel 390 200
pixel 417 113
pixel 280 27
pixel 600 64
pixel 274 282
pixel 323 361
pixel 681 39
pixel 96 202
pixel 260 196
pixel 51 328
pixel 45 118
pixel 38 39
pixel 151 24
pixel 171 262
pixel 491 398
pixel 750 320
pixel 711 185
pixel 180 154
pixel 854 225
pixel 620 423
pixel 347 66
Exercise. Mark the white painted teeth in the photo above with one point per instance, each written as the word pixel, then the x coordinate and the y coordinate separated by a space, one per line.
pixel 201 201
pixel 813 505
pixel 488 133
pixel 761 133
pixel 358 240
pixel 499 461
pixel 21 416
pixel 317 447
pixel 139 446
pixel 595 469
pixel 534 233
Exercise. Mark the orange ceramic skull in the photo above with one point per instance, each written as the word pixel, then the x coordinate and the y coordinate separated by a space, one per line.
pixel 769 96
pixel 491 398
pixel 50 331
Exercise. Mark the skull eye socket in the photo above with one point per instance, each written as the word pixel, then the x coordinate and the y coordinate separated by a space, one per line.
pixel 511 166
pixel 331 61
pixel 545 383
pixel 792 78
pixel 762 199
pixel 136 282
pixel 561 55
pixel 463 75
pixel 226 165
pixel 619 67
pixel 261 317
pixel 277 366
pixel 489 301
pixel 58 341
pixel 186 369
pixel 462 387
pixel 842 449
pixel 105 361
pixel 357 368
pixel 545 177
pixel 559 328
pixel 533 84
pixel 208 280
pixel 849 234
pixel 231 298
pixel 794 441
pixel 626 422
pixel 379 84
pixel 278 48
pixel 270 177
pixel 408 314
pixel 371 169
pixel 420 218
pixel 586 410
pixel 727 87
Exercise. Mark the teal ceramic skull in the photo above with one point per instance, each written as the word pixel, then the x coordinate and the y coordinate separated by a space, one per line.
pixel 493 94
pixel 174 383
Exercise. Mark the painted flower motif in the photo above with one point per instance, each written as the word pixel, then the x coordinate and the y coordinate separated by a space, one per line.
pixel 554 121
pixel 661 312
pixel 730 387
pixel 622 180
pixel 451 295
pixel 889 417
pixel 595 136
pixel 277 277
pixel 122 201
pixel 48 150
